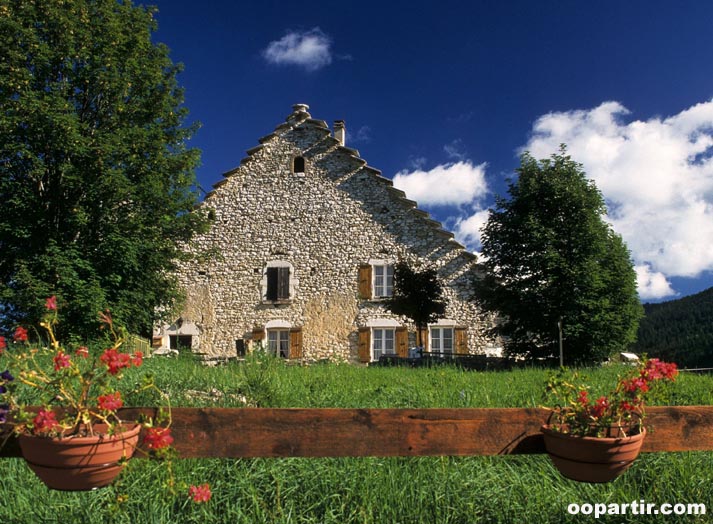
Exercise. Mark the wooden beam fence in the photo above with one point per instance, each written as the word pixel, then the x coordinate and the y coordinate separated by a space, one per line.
pixel 295 432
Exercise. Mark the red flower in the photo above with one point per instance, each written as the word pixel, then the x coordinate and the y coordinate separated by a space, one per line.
pixel 51 303
pixel 635 384
pixel 600 406
pixel 138 358
pixel 61 360
pixel 158 438
pixel 44 421
pixel 115 361
pixel 20 334
pixel 583 398
pixel 82 351
pixel 3 344
pixel 110 402
pixel 200 493
pixel 657 370
pixel 628 406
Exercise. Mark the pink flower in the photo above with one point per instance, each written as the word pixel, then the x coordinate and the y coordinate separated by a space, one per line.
pixel 44 421
pixel 200 493
pixel 110 402
pixel 51 303
pixel 158 438
pixel 656 370
pixel 61 360
pixel 20 334
pixel 82 351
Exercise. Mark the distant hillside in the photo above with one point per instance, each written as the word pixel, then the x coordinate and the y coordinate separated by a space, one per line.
pixel 680 330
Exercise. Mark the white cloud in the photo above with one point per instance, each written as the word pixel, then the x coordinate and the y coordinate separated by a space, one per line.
pixel 362 135
pixel 444 185
pixel 468 230
pixel 454 150
pixel 652 285
pixel 657 178
pixel 310 49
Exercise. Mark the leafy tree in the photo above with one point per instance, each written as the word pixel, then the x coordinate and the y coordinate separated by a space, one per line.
pixel 550 256
pixel 418 295
pixel 96 181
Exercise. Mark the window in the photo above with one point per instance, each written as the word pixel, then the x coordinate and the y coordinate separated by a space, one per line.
pixel 383 280
pixel 278 342
pixel 442 340
pixel 382 336
pixel 278 284
pixel 382 342
pixel 298 164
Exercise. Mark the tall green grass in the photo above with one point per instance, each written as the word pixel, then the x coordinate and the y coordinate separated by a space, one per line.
pixel 366 490
pixel 270 382
pixel 426 490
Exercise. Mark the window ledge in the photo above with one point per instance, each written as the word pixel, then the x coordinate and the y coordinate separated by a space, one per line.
pixel 280 302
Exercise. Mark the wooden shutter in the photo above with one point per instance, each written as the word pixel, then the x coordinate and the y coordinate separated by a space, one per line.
pixel 364 344
pixel 402 342
pixel 283 283
pixel 272 278
pixel 365 282
pixel 258 333
pixel 460 334
pixel 296 343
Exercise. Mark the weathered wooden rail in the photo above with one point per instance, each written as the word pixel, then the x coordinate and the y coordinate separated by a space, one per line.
pixel 264 432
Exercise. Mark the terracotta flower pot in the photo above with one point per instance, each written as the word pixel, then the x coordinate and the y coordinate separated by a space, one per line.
pixel 592 459
pixel 79 463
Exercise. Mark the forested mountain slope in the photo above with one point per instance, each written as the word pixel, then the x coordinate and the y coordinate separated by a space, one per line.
pixel 679 330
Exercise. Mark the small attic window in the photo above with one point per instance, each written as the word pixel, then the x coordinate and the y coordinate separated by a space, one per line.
pixel 298 164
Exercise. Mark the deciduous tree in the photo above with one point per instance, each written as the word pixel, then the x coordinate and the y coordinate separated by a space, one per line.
pixel 95 176
pixel 551 256
pixel 418 295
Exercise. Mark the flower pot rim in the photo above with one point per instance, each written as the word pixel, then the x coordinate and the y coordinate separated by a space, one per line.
pixel 124 431
pixel 546 429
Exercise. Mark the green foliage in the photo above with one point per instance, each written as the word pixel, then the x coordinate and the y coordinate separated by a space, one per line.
pixel 418 295
pixel 258 378
pixel 679 330
pixel 278 384
pixel 95 178
pixel 416 490
pixel 503 489
pixel 549 255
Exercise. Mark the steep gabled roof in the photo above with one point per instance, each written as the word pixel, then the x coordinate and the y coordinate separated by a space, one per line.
pixel 301 118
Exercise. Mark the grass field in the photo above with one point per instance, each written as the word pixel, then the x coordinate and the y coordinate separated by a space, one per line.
pixel 368 490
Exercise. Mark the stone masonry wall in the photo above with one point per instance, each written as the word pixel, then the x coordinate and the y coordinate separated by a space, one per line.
pixel 325 222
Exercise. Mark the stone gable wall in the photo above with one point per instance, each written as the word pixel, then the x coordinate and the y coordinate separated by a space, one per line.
pixel 325 223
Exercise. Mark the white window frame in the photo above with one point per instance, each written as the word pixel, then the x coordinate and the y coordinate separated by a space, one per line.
pixel 382 285
pixel 438 340
pixel 385 334
pixel 276 337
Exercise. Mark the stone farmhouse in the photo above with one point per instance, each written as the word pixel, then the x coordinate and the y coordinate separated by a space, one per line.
pixel 300 258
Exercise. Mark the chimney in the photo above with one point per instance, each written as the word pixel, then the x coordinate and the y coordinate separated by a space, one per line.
pixel 340 132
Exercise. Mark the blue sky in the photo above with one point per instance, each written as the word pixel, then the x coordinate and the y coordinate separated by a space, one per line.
pixel 444 96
